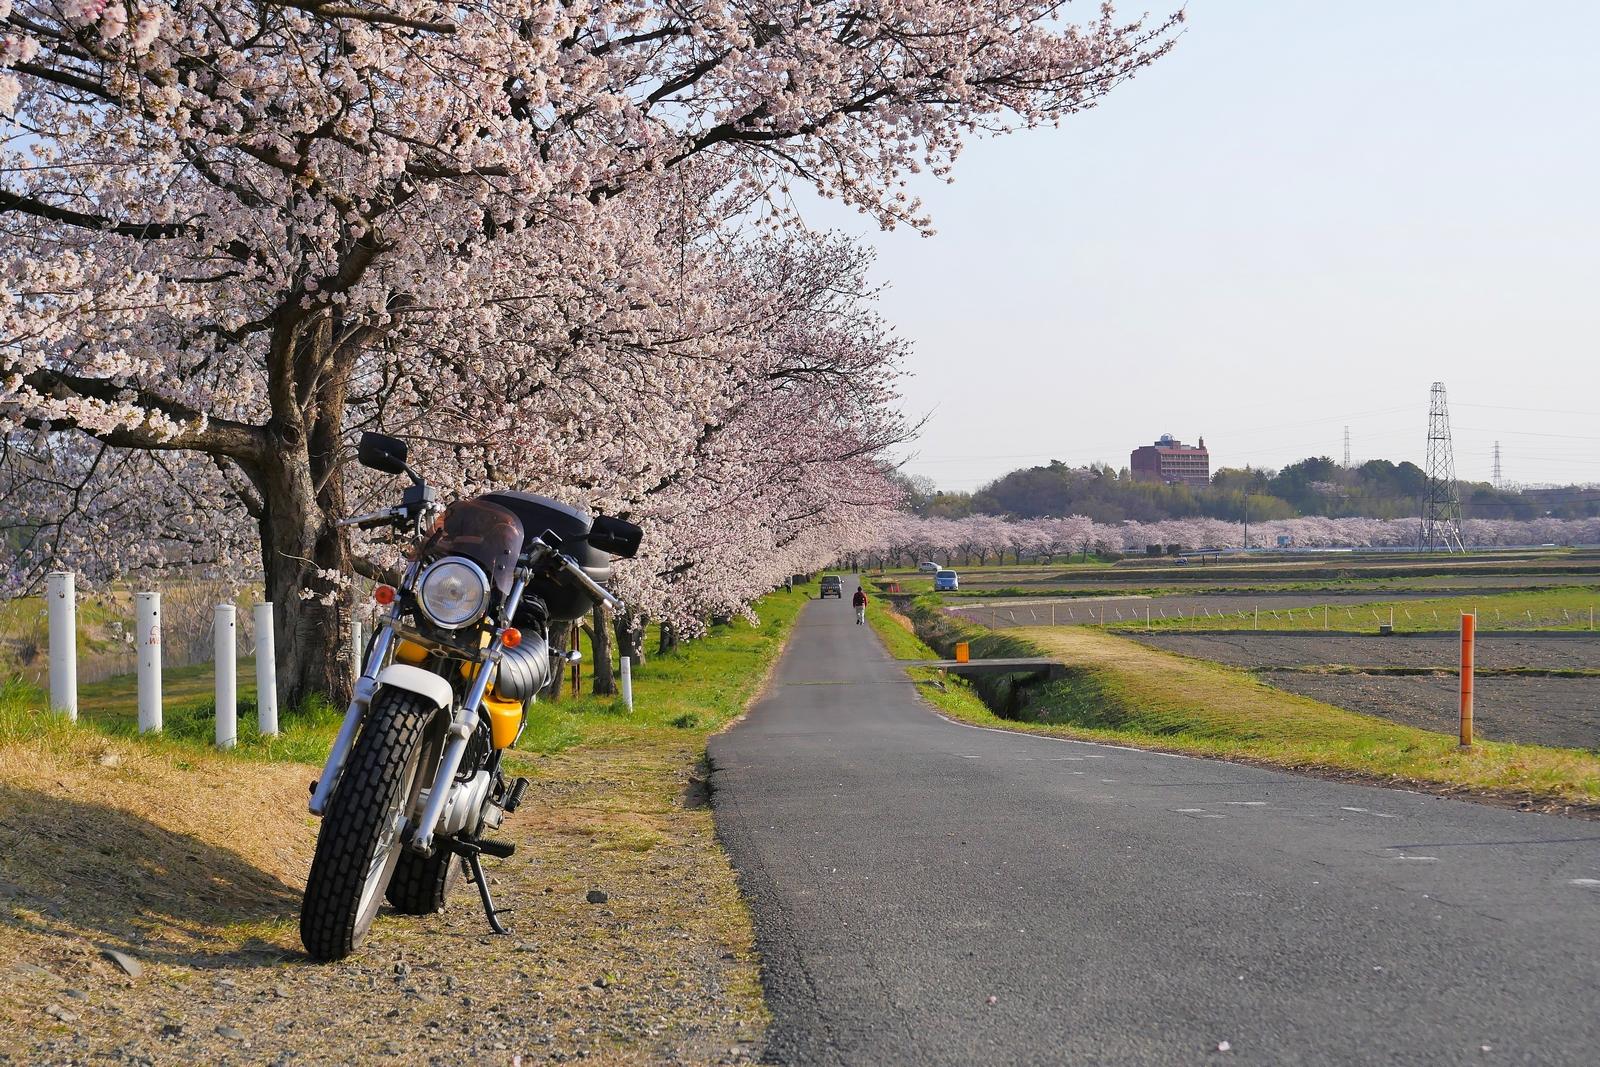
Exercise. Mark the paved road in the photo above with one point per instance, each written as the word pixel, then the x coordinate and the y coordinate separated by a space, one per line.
pixel 1126 907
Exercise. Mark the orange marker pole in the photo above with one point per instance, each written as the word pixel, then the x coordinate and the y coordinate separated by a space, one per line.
pixel 1469 627
pixel 963 652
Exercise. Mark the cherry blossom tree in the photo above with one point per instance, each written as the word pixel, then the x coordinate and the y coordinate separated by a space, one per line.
pixel 239 231
pixel 978 538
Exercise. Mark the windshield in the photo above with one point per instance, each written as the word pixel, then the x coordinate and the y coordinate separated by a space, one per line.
pixel 487 534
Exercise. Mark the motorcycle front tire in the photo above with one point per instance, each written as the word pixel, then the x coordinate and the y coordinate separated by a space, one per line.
pixel 359 845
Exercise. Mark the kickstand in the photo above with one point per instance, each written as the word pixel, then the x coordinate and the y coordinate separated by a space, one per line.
pixel 469 852
pixel 492 912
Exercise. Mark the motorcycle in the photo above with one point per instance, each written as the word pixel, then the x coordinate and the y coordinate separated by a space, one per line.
pixel 413 781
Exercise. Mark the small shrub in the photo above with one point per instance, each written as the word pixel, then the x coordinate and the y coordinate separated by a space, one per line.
pixel 687 721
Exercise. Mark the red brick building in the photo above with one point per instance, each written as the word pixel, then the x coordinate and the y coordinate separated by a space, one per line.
pixel 1170 460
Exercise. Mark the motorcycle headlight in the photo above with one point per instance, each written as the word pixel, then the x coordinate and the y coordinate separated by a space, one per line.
pixel 453 592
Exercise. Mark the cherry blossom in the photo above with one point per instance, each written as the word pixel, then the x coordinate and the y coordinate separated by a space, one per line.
pixel 551 245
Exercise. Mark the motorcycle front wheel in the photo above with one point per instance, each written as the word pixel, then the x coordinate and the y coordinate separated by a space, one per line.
pixel 359 844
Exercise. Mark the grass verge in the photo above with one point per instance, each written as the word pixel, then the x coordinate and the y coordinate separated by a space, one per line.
pixel 1121 692
pixel 192 861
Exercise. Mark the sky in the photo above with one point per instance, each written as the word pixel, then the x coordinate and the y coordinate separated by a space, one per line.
pixel 1295 222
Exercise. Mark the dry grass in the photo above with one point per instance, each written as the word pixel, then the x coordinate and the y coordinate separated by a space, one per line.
pixel 193 862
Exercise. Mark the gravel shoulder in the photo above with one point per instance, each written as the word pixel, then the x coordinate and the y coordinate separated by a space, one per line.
pixel 192 868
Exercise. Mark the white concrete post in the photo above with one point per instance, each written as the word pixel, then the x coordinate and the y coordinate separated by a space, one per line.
pixel 266 672
pixel 147 634
pixel 627 681
pixel 227 682
pixel 61 592
pixel 357 643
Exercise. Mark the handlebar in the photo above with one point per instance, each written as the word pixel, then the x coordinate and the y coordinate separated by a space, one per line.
pixel 595 589
pixel 375 518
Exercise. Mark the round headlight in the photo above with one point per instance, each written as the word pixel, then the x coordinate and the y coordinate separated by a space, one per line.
pixel 452 593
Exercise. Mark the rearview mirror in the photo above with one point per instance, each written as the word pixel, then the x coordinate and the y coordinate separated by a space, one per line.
pixel 382 453
pixel 616 536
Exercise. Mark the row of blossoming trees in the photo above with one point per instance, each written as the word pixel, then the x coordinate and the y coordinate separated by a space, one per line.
pixel 905 540
pixel 550 243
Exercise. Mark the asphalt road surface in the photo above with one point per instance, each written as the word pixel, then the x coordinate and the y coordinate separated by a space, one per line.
pixel 926 892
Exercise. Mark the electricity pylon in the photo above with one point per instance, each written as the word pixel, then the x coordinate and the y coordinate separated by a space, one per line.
pixel 1441 500
pixel 1347 448
pixel 1499 482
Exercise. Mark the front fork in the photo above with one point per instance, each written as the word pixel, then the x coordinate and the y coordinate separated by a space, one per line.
pixel 366 685
pixel 462 725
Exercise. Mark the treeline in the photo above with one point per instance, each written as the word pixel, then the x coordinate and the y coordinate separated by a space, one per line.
pixel 1313 487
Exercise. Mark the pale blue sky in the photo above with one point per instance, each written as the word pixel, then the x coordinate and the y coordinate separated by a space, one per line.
pixel 1298 220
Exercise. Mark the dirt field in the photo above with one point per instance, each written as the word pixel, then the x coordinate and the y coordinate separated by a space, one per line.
pixel 1562 712
pixel 1537 709
pixel 1198 580
pixel 1566 651
pixel 1057 611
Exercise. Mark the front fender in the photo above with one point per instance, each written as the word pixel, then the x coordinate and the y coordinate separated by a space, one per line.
pixel 416 680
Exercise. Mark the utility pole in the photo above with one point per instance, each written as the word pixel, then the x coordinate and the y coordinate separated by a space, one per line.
pixel 1347 448
pixel 1441 499
pixel 1499 483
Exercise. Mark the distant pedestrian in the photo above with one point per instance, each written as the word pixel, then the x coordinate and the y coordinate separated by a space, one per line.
pixel 860 601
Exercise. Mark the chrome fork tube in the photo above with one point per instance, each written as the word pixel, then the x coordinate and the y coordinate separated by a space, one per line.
pixel 359 701
pixel 462 724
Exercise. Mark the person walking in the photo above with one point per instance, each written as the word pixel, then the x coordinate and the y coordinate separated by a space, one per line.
pixel 860 601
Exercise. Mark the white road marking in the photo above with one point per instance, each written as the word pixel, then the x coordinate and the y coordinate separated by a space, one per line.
pixel 1419 859
pixel 1591 883
pixel 1369 811
pixel 1246 803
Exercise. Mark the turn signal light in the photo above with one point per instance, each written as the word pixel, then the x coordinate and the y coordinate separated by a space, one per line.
pixel 511 638
pixel 384 594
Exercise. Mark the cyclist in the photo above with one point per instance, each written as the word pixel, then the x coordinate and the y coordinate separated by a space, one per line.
pixel 860 601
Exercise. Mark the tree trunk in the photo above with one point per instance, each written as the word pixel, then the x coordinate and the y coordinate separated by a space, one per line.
pixel 669 639
pixel 630 638
pixel 600 640
pixel 297 542
pixel 301 497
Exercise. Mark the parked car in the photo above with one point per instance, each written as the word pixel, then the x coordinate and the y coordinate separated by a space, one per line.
pixel 946 582
pixel 832 586
pixel 929 567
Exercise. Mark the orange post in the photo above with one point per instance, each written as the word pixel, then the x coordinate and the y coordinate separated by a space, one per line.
pixel 963 652
pixel 1469 628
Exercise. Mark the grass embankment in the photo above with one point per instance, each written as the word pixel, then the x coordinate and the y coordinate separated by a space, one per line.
pixel 192 860
pixel 1574 608
pixel 1121 692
